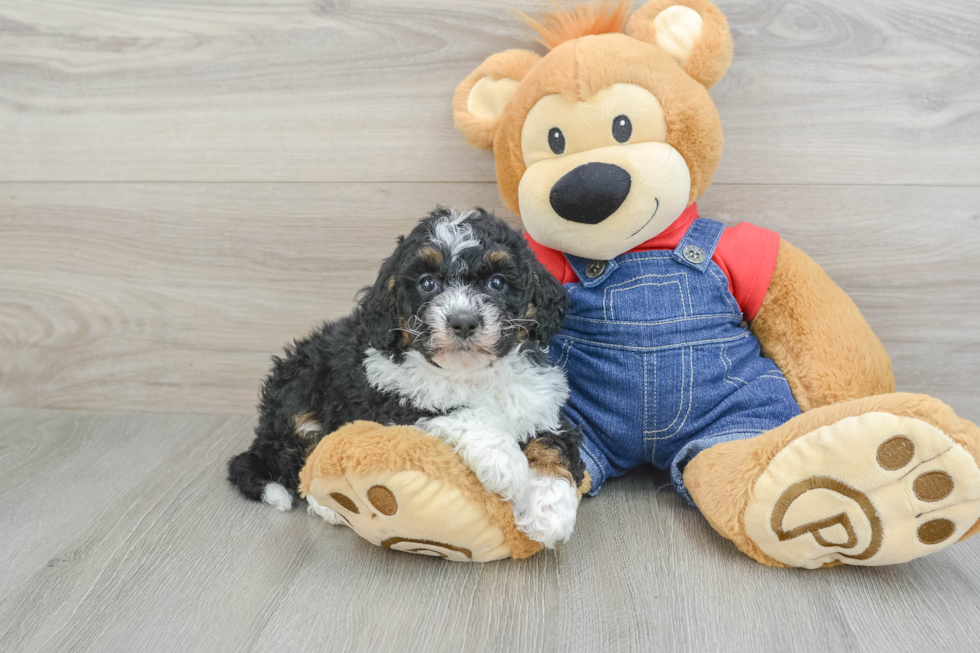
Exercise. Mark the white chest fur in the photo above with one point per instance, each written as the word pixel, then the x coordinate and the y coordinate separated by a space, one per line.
pixel 523 398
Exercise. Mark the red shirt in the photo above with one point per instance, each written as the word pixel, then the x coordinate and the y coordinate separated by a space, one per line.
pixel 745 253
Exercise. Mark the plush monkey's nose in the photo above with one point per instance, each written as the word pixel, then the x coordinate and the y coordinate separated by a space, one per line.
pixel 590 193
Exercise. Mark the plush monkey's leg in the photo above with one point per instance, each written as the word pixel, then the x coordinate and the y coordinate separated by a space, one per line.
pixel 402 489
pixel 875 481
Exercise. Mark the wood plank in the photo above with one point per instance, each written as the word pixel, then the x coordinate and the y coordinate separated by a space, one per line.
pixel 163 296
pixel 174 296
pixel 884 91
pixel 164 556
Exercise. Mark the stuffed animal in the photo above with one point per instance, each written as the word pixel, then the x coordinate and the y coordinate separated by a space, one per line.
pixel 722 354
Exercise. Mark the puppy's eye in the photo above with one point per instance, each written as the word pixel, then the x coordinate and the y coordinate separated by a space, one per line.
pixel 622 128
pixel 497 283
pixel 428 284
pixel 556 140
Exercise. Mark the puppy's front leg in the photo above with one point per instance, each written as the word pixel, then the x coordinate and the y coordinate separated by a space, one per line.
pixel 547 512
pixel 493 454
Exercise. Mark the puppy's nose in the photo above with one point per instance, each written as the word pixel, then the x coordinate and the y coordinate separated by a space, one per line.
pixel 590 193
pixel 464 325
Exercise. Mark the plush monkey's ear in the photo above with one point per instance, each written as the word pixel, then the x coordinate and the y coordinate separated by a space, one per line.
pixel 693 32
pixel 480 98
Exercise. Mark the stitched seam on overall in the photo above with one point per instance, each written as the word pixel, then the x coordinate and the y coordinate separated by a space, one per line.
pixel 645 258
pixel 689 399
pixel 727 316
pixel 648 442
pixel 727 362
pixel 772 376
pixel 726 293
pixel 718 233
pixel 646 393
pixel 662 348
pixel 689 380
pixel 753 432
pixel 562 361
pixel 591 454
pixel 612 310
pixel 656 399
pixel 656 402
pixel 607 292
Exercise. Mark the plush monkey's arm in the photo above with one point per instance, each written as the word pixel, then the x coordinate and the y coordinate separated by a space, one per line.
pixel 817 336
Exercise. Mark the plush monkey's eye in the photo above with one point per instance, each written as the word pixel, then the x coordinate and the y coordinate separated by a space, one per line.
pixel 497 283
pixel 428 284
pixel 622 128
pixel 556 140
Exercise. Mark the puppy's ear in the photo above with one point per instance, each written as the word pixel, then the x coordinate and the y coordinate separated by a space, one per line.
pixel 480 98
pixel 549 301
pixel 694 32
pixel 379 307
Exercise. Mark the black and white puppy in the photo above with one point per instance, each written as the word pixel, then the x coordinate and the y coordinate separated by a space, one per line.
pixel 451 337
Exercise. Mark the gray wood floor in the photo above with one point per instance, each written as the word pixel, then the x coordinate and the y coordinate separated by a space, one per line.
pixel 120 534
pixel 187 184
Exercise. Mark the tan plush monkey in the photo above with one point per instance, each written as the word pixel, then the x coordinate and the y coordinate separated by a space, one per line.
pixel 722 354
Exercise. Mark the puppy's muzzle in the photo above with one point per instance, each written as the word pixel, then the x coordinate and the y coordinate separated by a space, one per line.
pixel 463 325
pixel 590 193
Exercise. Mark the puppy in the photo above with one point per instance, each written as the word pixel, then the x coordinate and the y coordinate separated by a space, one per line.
pixel 452 337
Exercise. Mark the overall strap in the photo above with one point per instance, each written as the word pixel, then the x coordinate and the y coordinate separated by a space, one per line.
pixel 698 244
pixel 591 272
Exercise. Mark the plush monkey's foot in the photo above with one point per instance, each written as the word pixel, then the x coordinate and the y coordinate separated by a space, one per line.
pixel 876 481
pixel 402 489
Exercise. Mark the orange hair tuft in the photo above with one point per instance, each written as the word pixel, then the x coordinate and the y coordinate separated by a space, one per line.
pixel 594 17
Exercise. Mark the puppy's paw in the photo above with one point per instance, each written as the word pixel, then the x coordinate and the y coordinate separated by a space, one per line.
pixel 501 466
pixel 328 515
pixel 277 496
pixel 547 512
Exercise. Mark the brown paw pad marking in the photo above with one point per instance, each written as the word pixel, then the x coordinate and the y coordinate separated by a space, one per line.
pixel 379 496
pixel 797 490
pixel 895 453
pixel 936 531
pixel 425 547
pixel 345 501
pixel 933 486
pixel 383 500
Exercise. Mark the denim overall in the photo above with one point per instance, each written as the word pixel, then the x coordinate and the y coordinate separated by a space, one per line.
pixel 659 361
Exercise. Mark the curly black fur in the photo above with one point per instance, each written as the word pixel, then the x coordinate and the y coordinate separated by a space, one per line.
pixel 566 442
pixel 322 375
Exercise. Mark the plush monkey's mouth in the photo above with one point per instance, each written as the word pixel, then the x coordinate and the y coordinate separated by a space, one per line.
pixel 649 220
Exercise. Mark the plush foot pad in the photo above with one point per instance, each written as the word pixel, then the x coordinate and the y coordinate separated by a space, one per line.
pixel 408 511
pixel 401 489
pixel 873 489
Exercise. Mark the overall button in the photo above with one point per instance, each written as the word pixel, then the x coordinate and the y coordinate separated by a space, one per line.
pixel 694 254
pixel 595 268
